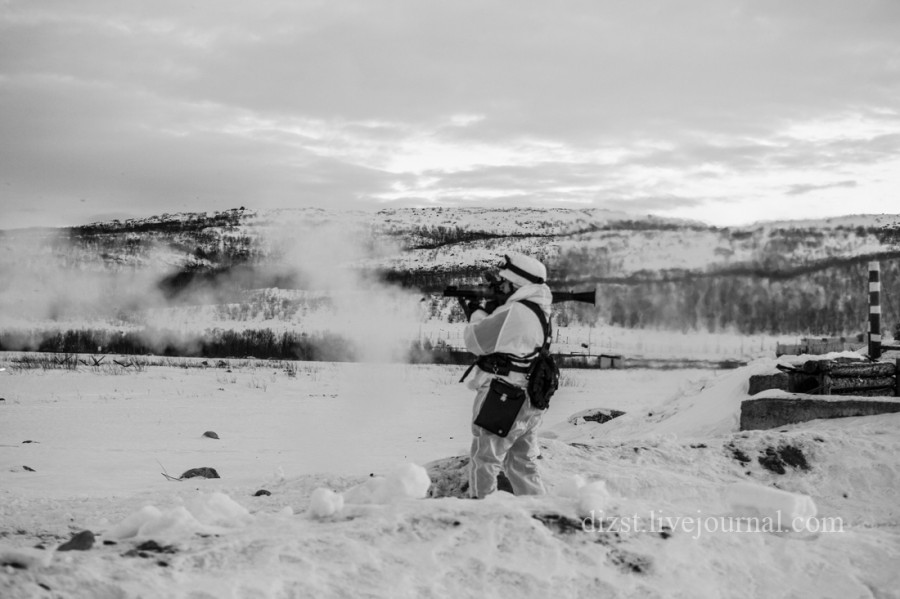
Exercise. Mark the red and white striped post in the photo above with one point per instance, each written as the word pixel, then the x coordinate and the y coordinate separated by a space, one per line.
pixel 874 310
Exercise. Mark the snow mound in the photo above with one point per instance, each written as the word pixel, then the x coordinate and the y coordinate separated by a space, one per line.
pixel 570 486
pixel 325 503
pixel 704 409
pixel 409 481
pixel 712 410
pixel 793 510
pixel 591 498
pixel 205 513
pixel 25 557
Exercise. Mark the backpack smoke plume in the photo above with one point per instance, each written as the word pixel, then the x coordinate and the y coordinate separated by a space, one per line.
pixel 49 279
pixel 309 281
pixel 378 319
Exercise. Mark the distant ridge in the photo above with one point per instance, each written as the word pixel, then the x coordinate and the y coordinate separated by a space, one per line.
pixel 497 220
pixel 782 276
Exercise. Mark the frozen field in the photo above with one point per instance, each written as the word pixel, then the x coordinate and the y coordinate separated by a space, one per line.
pixel 95 442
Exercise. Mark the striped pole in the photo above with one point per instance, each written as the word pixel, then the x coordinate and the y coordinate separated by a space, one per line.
pixel 874 310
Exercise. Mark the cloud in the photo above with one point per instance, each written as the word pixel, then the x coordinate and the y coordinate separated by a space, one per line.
pixel 540 177
pixel 803 189
pixel 124 150
pixel 277 103
pixel 661 203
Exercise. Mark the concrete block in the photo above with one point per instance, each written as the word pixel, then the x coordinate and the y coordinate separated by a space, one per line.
pixel 778 408
pixel 764 382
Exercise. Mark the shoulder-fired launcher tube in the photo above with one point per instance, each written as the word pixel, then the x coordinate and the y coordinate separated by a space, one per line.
pixel 588 297
pixel 485 293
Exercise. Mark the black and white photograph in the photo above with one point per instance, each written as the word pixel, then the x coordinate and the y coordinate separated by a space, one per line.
pixel 420 299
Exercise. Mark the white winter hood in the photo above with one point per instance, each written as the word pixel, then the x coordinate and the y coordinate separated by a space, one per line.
pixel 511 328
pixel 537 293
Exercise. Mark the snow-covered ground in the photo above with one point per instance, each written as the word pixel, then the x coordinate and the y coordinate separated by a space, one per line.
pixel 655 503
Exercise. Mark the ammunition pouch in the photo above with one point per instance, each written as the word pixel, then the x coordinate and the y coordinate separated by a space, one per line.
pixel 500 407
pixel 502 364
pixel 499 364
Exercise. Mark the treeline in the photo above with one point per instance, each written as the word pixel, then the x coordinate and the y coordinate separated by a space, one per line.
pixel 831 301
pixel 216 343
pixel 166 223
pixel 213 343
pixel 435 236
pixel 212 240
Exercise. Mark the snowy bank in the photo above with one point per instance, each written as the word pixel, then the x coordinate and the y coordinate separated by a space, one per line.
pixel 645 512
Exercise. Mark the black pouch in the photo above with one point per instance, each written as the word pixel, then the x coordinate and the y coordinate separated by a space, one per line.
pixel 500 408
pixel 495 364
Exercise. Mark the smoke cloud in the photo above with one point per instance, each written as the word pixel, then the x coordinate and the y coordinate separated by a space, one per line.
pixel 379 319
pixel 48 280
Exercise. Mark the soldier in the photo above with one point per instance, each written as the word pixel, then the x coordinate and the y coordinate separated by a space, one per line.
pixel 506 339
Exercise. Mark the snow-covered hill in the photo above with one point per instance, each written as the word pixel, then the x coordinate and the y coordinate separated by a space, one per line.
pixel 456 239
pixel 807 278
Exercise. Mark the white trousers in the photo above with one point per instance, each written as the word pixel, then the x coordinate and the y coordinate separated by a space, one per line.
pixel 516 454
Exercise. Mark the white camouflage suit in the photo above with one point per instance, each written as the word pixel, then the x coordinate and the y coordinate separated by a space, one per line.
pixel 512 328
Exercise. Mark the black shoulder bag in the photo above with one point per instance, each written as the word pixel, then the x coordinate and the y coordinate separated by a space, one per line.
pixel 503 401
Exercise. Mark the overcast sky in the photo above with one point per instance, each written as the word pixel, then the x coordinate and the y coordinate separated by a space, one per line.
pixel 726 111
